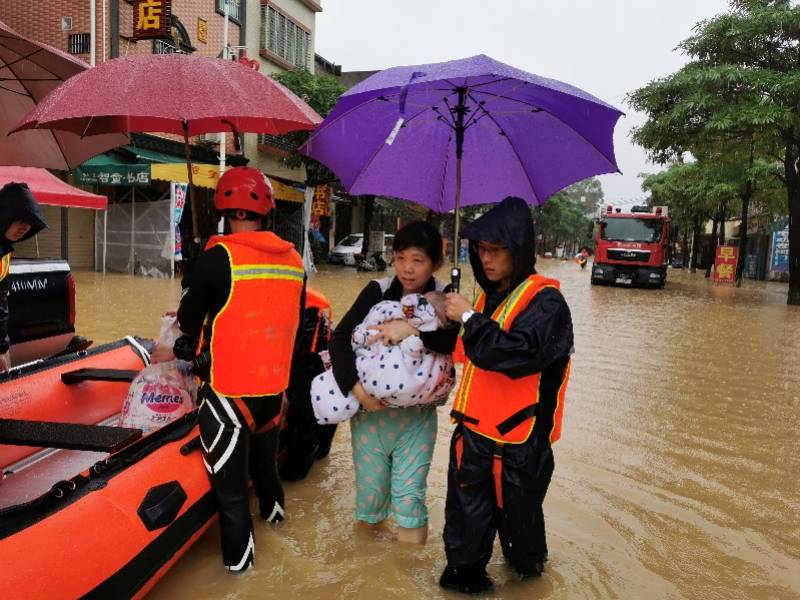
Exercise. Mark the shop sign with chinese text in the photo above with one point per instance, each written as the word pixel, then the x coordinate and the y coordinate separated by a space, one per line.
pixel 202 30
pixel 779 251
pixel 725 264
pixel 113 175
pixel 151 19
pixel 322 201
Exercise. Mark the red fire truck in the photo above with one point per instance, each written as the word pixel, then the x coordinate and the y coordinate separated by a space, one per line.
pixel 632 248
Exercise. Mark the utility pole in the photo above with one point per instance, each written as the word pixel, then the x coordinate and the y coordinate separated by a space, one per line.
pixel 223 141
pixel 92 31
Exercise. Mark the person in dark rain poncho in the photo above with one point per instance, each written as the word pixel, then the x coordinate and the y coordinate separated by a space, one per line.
pixel 518 340
pixel 20 219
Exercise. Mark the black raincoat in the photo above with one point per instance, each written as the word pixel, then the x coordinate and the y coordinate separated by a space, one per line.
pixel 16 204
pixel 540 340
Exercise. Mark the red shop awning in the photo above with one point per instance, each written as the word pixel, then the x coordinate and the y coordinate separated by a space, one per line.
pixel 49 189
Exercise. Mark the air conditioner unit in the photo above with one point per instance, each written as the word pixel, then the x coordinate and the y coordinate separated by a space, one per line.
pixel 66 23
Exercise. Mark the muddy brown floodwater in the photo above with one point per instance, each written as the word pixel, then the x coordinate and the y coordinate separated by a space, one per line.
pixel 677 475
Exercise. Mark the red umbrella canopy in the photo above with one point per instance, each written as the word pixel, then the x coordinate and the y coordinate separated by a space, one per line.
pixel 49 189
pixel 161 92
pixel 28 72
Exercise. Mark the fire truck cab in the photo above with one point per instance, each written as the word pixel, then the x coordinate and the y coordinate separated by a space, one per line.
pixel 632 248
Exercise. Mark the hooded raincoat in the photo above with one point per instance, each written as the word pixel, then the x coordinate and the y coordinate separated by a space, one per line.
pixel 16 204
pixel 505 494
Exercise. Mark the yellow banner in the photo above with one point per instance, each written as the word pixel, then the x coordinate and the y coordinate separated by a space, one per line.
pixel 285 192
pixel 205 175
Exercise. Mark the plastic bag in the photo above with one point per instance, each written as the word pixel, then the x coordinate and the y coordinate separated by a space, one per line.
pixel 163 392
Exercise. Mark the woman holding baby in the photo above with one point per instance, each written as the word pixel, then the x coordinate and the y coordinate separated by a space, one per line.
pixel 392 447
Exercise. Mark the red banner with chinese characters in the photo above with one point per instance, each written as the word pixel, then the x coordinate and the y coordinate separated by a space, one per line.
pixel 151 19
pixel 725 264
pixel 322 201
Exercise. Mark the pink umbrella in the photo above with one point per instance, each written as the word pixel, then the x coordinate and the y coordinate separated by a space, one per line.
pixel 28 72
pixel 172 93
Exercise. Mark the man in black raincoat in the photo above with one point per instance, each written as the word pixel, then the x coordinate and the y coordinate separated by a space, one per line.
pixel 518 340
pixel 20 219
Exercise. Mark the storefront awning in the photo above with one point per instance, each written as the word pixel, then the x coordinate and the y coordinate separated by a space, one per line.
pixel 49 189
pixel 131 165
pixel 113 168
pixel 286 192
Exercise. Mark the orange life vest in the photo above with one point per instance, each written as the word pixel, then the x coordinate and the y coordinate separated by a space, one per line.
pixel 495 405
pixel 5 266
pixel 252 337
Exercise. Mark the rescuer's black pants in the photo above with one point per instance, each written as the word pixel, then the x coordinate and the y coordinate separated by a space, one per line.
pixel 478 504
pixel 240 440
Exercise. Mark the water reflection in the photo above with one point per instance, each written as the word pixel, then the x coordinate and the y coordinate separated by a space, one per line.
pixel 677 472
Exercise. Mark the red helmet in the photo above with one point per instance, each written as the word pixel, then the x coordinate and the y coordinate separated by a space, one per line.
pixel 244 188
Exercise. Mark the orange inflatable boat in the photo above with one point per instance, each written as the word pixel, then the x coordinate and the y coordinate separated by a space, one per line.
pixel 88 508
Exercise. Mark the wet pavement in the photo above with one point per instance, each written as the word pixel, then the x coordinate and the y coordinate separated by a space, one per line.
pixel 677 475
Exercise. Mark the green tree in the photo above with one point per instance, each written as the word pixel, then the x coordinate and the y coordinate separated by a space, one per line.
pixel 563 220
pixel 743 84
pixel 320 92
pixel 693 192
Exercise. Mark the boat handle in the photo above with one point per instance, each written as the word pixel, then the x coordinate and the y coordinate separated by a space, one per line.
pixel 190 446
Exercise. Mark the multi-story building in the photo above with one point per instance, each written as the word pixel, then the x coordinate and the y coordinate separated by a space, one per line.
pixel 195 26
pixel 279 33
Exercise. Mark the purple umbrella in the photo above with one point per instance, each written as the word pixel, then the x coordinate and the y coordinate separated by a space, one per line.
pixel 406 131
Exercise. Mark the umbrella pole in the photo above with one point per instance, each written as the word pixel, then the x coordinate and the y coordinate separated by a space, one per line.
pixel 460 111
pixel 192 194
pixel 455 274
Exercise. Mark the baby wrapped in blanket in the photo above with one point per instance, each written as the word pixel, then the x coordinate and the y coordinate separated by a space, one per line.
pixel 401 375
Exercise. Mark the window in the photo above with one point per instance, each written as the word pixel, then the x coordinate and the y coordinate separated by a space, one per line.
pixel 79 43
pixel 631 230
pixel 164 47
pixel 284 38
pixel 276 141
pixel 234 8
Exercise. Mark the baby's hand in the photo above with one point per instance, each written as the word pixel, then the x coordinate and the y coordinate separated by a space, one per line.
pixel 369 403
pixel 392 332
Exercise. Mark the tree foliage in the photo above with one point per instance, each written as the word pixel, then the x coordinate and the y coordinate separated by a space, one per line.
pixel 321 93
pixel 737 103
pixel 567 216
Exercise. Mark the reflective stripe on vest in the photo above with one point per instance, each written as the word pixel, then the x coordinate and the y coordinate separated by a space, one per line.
pixel 246 272
pixel 5 266
pixel 252 336
pixel 495 405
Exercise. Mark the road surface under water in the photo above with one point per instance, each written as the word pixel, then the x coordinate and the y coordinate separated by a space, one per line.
pixel 677 476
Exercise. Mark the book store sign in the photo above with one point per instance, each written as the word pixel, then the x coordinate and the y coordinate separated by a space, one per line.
pixel 113 175
pixel 151 19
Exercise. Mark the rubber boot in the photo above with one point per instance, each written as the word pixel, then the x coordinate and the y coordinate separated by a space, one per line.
pixel 264 473
pixel 467 579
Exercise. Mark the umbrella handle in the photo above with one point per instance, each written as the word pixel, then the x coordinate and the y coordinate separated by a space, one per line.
pixel 455 278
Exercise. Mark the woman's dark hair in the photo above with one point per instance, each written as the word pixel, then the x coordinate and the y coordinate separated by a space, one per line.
pixel 420 234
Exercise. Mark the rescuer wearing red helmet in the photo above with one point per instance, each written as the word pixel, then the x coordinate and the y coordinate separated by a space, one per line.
pixel 240 312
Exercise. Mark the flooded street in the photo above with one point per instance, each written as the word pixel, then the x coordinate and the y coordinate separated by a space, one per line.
pixel 677 475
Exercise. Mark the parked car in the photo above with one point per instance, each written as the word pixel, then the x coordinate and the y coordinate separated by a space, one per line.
pixel 41 305
pixel 344 253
